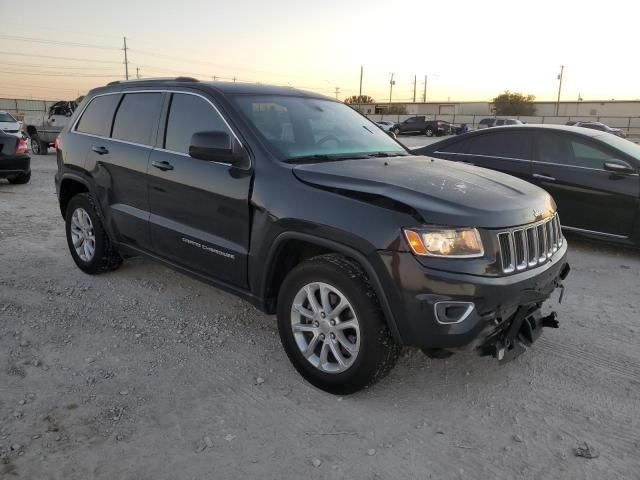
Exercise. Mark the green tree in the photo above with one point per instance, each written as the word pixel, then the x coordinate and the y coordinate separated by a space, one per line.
pixel 514 103
pixel 359 99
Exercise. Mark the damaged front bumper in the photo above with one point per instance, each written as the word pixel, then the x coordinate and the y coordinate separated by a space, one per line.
pixel 447 311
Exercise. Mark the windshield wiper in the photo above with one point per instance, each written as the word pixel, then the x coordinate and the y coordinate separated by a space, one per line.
pixel 385 154
pixel 323 158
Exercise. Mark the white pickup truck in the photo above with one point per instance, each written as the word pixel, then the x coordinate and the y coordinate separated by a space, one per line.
pixel 43 128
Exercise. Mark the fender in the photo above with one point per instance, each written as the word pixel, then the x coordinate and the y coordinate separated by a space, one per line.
pixel 347 251
pixel 80 177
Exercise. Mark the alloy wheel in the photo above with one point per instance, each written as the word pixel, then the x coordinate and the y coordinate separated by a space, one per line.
pixel 325 327
pixel 83 235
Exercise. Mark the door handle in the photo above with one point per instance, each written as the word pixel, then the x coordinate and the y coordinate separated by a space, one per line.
pixel 164 166
pixel 544 177
pixel 100 150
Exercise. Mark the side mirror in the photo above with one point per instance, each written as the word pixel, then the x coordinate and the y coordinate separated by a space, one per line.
pixel 215 146
pixel 618 166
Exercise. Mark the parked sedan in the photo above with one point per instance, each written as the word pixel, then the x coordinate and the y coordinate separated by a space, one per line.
pixel 592 175
pixel 600 126
pixel 15 164
pixel 385 125
pixel 8 124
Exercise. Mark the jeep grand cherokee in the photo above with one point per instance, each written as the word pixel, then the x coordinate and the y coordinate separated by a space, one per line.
pixel 308 210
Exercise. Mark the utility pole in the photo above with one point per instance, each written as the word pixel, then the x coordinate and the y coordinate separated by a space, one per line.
pixel 424 94
pixel 391 84
pixel 234 79
pixel 126 61
pixel 415 79
pixel 360 91
pixel 337 92
pixel 137 73
pixel 559 90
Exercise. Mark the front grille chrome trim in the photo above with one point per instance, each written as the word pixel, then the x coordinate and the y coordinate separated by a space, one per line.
pixel 523 248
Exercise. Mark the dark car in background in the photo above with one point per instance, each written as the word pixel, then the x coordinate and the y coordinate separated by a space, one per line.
pixel 15 163
pixel 599 126
pixel 592 175
pixel 420 124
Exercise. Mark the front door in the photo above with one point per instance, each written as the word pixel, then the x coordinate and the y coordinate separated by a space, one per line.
pixel 199 209
pixel 571 169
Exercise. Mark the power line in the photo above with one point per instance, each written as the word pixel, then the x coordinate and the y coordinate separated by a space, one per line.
pixel 60 74
pixel 62 67
pixel 75 59
pixel 56 42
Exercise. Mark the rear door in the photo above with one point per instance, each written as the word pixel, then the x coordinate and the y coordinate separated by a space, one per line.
pixel 199 209
pixel 119 166
pixel 571 168
pixel 508 152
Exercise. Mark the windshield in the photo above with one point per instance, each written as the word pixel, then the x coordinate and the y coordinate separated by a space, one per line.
pixel 301 127
pixel 5 117
pixel 622 144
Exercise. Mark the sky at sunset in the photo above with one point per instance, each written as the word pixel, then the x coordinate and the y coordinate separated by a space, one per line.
pixel 470 50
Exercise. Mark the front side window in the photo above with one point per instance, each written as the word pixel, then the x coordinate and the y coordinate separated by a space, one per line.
pixel 302 127
pixel 566 150
pixel 189 114
pixel 96 118
pixel 137 117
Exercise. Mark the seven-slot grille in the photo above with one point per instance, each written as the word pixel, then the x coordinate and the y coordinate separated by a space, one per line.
pixel 525 247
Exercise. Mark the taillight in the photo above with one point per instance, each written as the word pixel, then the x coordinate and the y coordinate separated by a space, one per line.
pixel 56 143
pixel 22 147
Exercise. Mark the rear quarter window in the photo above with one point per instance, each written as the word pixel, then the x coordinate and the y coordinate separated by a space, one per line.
pixel 96 118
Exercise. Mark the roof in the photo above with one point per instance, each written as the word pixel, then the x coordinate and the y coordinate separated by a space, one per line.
pixel 231 88
pixel 533 126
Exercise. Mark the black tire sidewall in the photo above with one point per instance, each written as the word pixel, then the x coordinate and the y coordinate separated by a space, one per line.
pixel 372 328
pixel 35 141
pixel 83 200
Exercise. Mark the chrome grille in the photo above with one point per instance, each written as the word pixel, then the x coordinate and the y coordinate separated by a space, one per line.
pixel 526 247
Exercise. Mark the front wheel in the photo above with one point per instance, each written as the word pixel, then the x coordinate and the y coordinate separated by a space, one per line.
pixel 331 325
pixel 396 131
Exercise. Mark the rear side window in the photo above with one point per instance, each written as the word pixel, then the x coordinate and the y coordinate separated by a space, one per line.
pixel 189 114
pixel 501 144
pixel 137 117
pixel 97 117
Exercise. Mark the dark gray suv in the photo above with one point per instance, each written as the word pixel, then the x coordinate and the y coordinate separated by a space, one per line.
pixel 308 210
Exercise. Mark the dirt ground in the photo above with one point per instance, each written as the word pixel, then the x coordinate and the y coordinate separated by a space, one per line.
pixel 144 373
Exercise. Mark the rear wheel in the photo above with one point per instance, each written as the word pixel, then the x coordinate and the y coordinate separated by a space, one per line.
pixel 331 325
pixel 20 179
pixel 88 242
pixel 429 132
pixel 38 147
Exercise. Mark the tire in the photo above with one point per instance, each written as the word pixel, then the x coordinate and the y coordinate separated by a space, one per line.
pixel 21 179
pixel 38 147
pixel 429 132
pixel 374 352
pixel 396 131
pixel 103 256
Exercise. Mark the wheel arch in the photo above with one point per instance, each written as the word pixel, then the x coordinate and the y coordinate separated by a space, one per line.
pixel 291 248
pixel 32 131
pixel 71 184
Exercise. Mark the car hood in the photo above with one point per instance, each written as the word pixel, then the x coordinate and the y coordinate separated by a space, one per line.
pixel 442 192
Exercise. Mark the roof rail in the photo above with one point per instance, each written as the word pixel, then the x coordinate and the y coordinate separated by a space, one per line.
pixel 177 79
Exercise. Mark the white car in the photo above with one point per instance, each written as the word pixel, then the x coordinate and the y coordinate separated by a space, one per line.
pixel 385 125
pixel 10 125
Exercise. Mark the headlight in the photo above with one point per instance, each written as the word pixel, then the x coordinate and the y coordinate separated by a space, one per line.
pixel 445 242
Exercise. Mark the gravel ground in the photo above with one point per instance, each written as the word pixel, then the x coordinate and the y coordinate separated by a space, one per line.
pixel 144 373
